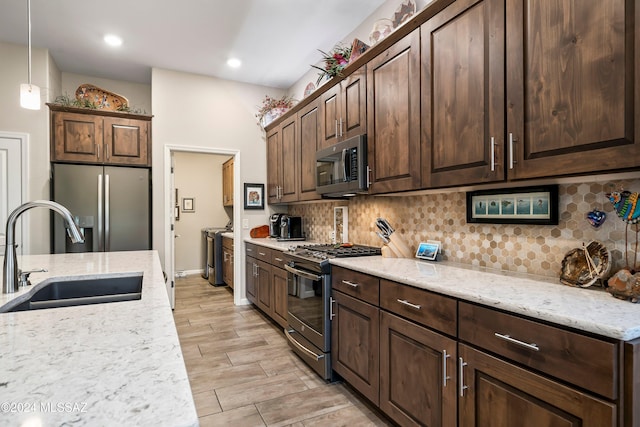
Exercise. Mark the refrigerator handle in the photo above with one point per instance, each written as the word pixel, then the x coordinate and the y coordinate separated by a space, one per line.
pixel 100 211
pixel 107 196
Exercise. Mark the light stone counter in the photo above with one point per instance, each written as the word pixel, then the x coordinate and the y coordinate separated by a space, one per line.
pixel 588 309
pixel 94 365
pixel 271 242
pixel 228 234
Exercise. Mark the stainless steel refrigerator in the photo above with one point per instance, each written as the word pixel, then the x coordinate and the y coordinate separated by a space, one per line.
pixel 111 204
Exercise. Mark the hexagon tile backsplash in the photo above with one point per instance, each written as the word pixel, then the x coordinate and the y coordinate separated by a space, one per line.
pixel 533 249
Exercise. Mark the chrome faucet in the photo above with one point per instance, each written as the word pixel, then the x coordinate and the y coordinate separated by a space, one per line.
pixel 10 272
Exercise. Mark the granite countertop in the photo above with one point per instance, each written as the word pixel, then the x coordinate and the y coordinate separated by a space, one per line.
pixel 587 309
pixel 116 363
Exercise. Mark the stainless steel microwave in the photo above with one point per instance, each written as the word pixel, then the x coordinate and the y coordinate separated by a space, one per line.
pixel 342 170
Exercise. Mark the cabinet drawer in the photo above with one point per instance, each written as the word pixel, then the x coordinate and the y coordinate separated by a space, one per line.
pixel 358 285
pixel 278 258
pixel 259 252
pixel 429 309
pixel 587 362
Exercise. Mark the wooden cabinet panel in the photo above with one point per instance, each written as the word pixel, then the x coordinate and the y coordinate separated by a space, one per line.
pixel 126 141
pixel 330 113
pixel 572 72
pixel 227 261
pixel 355 284
pixel 418 377
pixel 227 183
pixel 279 288
pixel 76 137
pixel 264 301
pixel 99 137
pixel 463 94
pixel 309 139
pixel 355 335
pixel 354 104
pixel 274 165
pixel 500 394
pixel 393 117
pixel 289 161
pixel 429 309
pixel 563 354
pixel 251 279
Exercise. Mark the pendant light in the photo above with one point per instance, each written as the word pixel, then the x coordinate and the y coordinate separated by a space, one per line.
pixel 29 93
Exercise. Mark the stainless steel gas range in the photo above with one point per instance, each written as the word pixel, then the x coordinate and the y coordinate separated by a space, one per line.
pixel 309 308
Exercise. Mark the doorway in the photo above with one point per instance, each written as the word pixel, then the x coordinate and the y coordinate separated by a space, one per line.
pixel 13 188
pixel 175 204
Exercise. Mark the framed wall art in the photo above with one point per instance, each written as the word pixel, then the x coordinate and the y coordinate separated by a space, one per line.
pixel 253 196
pixel 523 205
pixel 188 204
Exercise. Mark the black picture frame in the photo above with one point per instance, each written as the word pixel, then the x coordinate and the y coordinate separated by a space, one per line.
pixel 521 205
pixel 253 196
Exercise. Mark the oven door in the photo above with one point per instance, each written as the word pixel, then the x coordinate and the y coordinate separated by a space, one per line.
pixel 308 305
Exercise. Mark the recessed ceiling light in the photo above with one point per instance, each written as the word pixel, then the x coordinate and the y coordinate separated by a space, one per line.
pixel 234 62
pixel 112 40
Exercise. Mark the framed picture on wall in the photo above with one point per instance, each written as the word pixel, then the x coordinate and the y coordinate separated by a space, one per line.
pixel 253 196
pixel 188 204
pixel 523 205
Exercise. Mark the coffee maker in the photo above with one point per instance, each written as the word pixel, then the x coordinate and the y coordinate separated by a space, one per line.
pixel 274 224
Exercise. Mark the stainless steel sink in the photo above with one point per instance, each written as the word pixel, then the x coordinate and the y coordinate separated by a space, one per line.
pixel 82 291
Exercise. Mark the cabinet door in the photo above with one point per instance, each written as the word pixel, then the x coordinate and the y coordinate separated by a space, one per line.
pixel 226 266
pixel 279 288
pixel 227 183
pixel 251 279
pixel 355 343
pixel 572 86
pixel 289 162
pixel 393 117
pixel 499 394
pixel 274 165
pixel 76 137
pixel 463 94
pixel 309 144
pixel 329 114
pixel 126 142
pixel 353 112
pixel 264 301
pixel 417 374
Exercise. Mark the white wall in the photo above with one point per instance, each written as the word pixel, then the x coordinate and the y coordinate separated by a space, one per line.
pixel 35 123
pixel 386 10
pixel 197 111
pixel 197 176
pixel 138 94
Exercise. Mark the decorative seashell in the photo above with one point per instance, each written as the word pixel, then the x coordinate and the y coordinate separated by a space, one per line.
pixel 624 285
pixel 584 266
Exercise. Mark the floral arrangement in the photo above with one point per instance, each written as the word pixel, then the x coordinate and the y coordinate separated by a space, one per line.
pixel 273 108
pixel 334 62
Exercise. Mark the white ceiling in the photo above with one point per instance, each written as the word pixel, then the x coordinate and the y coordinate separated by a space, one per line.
pixel 276 40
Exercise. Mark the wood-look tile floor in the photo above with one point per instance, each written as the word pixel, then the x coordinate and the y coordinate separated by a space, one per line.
pixel 242 372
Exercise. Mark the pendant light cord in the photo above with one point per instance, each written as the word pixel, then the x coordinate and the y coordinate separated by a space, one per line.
pixel 29 38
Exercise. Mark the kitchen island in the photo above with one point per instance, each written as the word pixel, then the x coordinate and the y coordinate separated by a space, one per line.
pixel 115 363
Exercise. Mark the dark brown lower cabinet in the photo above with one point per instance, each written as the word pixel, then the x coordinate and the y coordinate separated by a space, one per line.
pixel 417 374
pixel 499 394
pixel 264 287
pixel 252 280
pixel 279 290
pixel 355 334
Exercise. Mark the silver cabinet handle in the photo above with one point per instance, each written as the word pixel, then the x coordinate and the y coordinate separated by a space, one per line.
pixel 336 128
pixel 340 126
pixel 445 377
pixel 461 376
pixel 407 303
pixel 331 313
pixel 292 340
pixel 512 160
pixel 249 250
pixel 532 346
pixel 369 170
pixel 278 259
pixel 262 254
pixel 107 147
pixel 98 150
pixel 493 154
pixel 353 285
